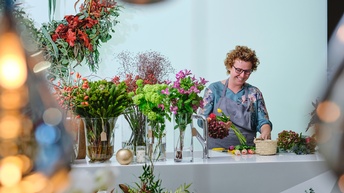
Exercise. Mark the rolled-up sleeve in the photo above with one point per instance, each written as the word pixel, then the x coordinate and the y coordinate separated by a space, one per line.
pixel 262 113
pixel 208 105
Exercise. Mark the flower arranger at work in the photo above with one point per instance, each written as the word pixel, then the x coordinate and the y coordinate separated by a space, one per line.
pixel 184 99
pixel 217 127
pixel 78 37
pixel 98 103
pixel 152 103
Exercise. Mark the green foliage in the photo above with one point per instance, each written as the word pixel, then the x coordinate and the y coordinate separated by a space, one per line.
pixel 76 38
pixel 184 97
pixel 152 103
pixel 100 99
pixel 149 184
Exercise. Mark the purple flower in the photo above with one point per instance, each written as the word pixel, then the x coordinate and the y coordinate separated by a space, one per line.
pixel 203 81
pixel 166 91
pixel 174 109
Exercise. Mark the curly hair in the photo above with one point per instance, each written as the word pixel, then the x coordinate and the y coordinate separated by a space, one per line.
pixel 243 53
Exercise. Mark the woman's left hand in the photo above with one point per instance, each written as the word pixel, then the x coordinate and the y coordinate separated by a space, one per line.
pixel 265 131
pixel 228 124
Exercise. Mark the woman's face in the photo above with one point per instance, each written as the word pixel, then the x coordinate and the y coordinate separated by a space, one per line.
pixel 240 71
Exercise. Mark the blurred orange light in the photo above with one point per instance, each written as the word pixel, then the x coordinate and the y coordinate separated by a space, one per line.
pixel 10 126
pixel 10 174
pixel 13 71
pixel 328 111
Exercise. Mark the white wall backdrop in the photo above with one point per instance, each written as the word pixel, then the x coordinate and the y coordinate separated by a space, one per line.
pixel 289 38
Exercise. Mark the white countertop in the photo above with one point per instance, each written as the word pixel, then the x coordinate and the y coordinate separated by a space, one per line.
pixel 225 172
pixel 217 158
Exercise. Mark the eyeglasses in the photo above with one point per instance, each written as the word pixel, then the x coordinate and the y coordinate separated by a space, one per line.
pixel 239 71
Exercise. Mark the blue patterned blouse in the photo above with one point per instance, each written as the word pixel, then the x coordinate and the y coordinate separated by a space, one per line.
pixel 259 114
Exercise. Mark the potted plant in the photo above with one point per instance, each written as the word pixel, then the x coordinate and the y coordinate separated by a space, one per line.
pixel 98 103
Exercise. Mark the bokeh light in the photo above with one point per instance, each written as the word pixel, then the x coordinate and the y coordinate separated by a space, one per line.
pixel 328 111
pixel 52 116
pixel 10 126
pixel 10 174
pixel 13 71
pixel 46 134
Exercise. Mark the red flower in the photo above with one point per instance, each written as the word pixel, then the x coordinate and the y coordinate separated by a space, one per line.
pixel 212 116
pixel 70 39
pixel 216 128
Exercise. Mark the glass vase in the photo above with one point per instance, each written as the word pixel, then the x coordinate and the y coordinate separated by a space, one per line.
pixel 183 140
pixel 155 141
pixel 100 138
pixel 76 130
pixel 134 131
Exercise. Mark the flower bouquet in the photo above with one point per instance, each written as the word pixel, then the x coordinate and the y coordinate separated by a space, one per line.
pixel 287 139
pixel 184 100
pixel 152 68
pixel 290 141
pixel 151 103
pixel 78 37
pixel 98 103
pixel 306 145
pixel 217 127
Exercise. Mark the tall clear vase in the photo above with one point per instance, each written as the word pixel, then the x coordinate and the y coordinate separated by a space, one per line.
pixel 134 133
pixel 183 140
pixel 155 142
pixel 134 139
pixel 77 132
pixel 100 138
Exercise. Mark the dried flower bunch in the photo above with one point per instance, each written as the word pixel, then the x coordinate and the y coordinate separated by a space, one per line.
pixel 78 37
pixel 150 66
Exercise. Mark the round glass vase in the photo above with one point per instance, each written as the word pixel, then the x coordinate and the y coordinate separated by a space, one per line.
pixel 100 138
pixel 155 141
pixel 183 140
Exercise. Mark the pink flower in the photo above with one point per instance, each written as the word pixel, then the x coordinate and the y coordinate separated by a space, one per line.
pixel 161 106
pixel 308 139
pixel 244 151
pixel 231 147
pixel 203 81
pixel 165 91
pixel 174 109
pixel 250 151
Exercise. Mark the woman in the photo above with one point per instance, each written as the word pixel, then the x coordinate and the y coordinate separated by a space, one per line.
pixel 243 102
